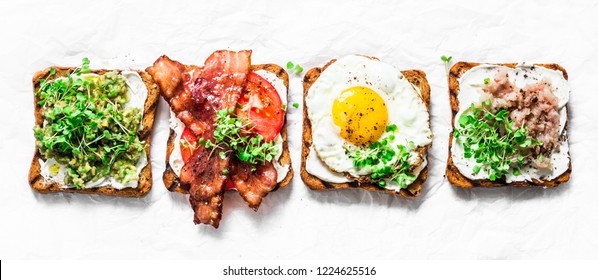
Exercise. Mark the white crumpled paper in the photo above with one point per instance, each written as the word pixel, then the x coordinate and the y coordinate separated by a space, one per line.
pixel 297 223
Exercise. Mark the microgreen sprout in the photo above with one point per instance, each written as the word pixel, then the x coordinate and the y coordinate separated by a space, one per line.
pixel 492 139
pixel 232 134
pixel 386 161
pixel 294 67
pixel 87 128
pixel 447 62
pixel 85 66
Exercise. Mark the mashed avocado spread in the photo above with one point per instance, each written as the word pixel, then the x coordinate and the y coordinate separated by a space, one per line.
pixel 87 128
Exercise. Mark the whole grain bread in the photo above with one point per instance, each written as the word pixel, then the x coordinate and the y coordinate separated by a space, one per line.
pixel 418 79
pixel 171 179
pixel 41 185
pixel 452 172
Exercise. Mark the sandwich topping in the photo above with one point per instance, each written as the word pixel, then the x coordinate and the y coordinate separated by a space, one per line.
pixel 187 142
pixel 513 127
pixel 233 134
pixel 229 120
pixel 534 107
pixel 369 124
pixel 89 136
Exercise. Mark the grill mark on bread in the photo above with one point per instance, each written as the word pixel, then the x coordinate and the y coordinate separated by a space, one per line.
pixel 280 72
pixel 175 183
pixel 171 136
pixel 35 179
pixel 151 108
pixel 144 135
pixel 327 185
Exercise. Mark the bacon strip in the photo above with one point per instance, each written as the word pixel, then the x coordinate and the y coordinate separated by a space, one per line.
pixel 195 94
pixel 253 186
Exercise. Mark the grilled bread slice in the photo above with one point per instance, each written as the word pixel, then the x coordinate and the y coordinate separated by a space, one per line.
pixel 418 79
pixel 41 185
pixel 171 179
pixel 452 172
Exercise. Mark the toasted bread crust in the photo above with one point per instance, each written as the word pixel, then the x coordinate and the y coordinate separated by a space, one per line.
pixel 39 184
pixel 452 172
pixel 415 77
pixel 171 179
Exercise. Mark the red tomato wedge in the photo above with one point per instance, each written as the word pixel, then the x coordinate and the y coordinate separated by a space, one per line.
pixel 229 185
pixel 188 144
pixel 261 105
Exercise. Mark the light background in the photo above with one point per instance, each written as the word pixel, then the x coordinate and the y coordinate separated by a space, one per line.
pixel 296 223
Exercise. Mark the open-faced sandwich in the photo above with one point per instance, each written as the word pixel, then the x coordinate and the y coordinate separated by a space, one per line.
pixel 227 132
pixel 365 125
pixel 92 131
pixel 509 125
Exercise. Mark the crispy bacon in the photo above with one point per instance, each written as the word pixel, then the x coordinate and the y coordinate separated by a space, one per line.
pixel 253 186
pixel 174 78
pixel 195 94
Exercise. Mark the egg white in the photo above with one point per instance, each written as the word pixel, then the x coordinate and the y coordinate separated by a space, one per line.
pixel 405 107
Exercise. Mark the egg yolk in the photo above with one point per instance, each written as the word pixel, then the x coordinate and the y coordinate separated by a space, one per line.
pixel 361 114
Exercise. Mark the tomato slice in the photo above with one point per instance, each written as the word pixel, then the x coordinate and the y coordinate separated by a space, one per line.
pixel 188 144
pixel 229 185
pixel 261 105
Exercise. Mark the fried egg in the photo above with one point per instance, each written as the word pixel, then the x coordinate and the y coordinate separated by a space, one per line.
pixel 350 106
